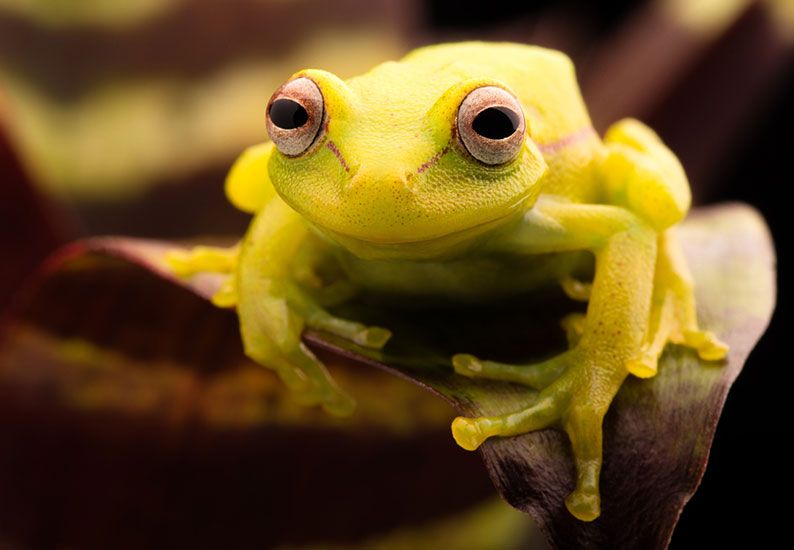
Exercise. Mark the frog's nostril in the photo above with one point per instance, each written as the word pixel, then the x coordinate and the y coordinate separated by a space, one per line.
pixel 402 182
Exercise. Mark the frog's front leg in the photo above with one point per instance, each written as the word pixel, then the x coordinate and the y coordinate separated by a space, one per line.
pixel 673 315
pixel 641 173
pixel 274 309
pixel 594 369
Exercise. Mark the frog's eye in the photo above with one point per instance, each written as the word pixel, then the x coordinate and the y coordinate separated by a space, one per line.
pixel 490 125
pixel 295 115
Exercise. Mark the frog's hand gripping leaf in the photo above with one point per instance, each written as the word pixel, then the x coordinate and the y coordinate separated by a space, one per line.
pixel 249 189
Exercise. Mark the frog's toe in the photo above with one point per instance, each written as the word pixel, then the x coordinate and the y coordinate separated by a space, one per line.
pixel 332 399
pixel 363 335
pixel 186 263
pixel 575 289
pixel 339 404
pixel 584 505
pixel 644 365
pixel 585 433
pixel 467 433
pixel 583 423
pixel 466 365
pixel 573 324
pixel 310 381
pixel 575 401
pixel 372 337
pixel 537 375
pixel 178 261
pixel 708 346
pixel 470 433
pixel 226 296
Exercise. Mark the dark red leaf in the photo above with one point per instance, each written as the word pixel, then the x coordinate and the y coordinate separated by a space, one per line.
pixel 30 228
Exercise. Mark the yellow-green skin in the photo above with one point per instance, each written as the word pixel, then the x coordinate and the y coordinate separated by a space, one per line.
pixel 390 202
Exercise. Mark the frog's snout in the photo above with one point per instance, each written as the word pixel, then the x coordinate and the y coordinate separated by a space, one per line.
pixel 390 182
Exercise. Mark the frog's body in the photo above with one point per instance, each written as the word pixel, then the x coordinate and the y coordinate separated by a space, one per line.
pixel 463 173
pixel 474 279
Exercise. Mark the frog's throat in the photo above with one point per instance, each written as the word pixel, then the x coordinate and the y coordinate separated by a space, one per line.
pixel 447 245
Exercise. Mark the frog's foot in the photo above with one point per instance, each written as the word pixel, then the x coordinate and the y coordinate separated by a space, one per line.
pixel 272 326
pixel 673 316
pixel 707 345
pixel 306 377
pixel 573 324
pixel 574 401
pixel 673 320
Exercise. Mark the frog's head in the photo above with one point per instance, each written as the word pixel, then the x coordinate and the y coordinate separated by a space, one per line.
pixel 398 163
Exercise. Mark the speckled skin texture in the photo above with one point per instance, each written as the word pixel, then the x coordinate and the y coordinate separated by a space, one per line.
pixel 387 199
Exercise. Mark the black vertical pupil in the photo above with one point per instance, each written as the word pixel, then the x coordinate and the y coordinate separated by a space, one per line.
pixel 495 122
pixel 288 114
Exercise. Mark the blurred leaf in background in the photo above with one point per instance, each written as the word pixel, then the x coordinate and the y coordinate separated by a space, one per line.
pixel 130 418
pixel 110 99
pixel 65 13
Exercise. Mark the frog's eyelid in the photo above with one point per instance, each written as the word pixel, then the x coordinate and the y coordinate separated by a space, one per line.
pixel 446 106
